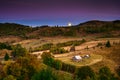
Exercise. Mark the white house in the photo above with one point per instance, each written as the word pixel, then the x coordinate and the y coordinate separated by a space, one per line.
pixel 77 58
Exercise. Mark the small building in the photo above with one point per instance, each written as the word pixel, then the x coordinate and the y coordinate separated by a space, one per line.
pixel 77 58
pixel 87 56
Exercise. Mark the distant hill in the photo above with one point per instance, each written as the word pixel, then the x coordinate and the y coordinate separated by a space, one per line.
pixel 14 29
pixel 96 26
pixel 91 27
pixel 99 23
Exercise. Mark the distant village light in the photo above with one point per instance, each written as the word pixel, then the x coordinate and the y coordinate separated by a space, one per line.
pixel 69 24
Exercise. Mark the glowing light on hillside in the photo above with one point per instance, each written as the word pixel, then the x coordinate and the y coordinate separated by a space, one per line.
pixel 69 24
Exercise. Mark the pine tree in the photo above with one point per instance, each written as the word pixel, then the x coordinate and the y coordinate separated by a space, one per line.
pixel 6 57
pixel 108 44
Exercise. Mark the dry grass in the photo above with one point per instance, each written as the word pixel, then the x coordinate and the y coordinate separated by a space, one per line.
pixel 107 58
pixel 4 51
pixel 38 42
pixel 10 39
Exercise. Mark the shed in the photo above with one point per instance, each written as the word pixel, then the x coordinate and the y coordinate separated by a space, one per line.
pixel 87 56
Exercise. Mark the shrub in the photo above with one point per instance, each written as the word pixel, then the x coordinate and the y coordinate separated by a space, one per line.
pixel 18 50
pixel 46 46
pixel 99 44
pixel 84 73
pixel 72 48
pixel 45 74
pixel 105 74
pixel 108 44
pixel 70 43
pixel 47 58
pixel 68 67
pixel 57 64
pixel 56 50
pixel 5 46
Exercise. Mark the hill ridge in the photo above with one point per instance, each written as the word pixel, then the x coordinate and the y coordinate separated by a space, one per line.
pixel 86 28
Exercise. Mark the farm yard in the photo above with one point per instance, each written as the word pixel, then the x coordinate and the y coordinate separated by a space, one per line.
pixel 83 62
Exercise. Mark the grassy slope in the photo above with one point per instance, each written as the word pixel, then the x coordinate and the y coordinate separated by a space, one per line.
pixel 111 57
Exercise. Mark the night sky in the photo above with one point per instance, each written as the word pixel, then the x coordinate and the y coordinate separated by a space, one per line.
pixel 58 12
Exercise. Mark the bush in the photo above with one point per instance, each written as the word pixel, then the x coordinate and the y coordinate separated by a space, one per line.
pixel 18 50
pixel 46 46
pixel 99 44
pixel 70 43
pixel 45 74
pixel 47 58
pixel 105 74
pixel 5 46
pixel 68 67
pixel 72 48
pixel 84 73
pixel 57 64
pixel 56 50
pixel 23 68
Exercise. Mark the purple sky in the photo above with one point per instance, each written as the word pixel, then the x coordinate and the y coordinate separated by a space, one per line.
pixel 58 12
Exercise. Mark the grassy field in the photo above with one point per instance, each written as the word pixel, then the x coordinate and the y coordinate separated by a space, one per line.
pixel 111 58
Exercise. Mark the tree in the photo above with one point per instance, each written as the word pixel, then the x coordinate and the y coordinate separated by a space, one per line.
pixel 105 74
pixel 108 44
pixel 13 69
pixel 45 74
pixel 6 57
pixel 23 68
pixel 18 50
pixel 85 73
pixel 5 46
pixel 47 58
pixel 57 64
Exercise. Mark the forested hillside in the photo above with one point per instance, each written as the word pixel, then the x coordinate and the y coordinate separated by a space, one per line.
pixel 109 28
